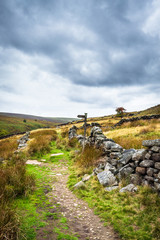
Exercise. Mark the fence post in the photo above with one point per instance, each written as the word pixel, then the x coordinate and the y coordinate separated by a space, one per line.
pixel 85 127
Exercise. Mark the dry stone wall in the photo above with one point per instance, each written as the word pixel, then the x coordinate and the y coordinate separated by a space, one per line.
pixel 133 119
pixel 140 166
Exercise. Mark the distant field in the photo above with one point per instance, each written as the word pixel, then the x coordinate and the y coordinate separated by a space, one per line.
pixel 16 123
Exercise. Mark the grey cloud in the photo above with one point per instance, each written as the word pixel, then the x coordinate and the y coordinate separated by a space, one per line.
pixel 44 28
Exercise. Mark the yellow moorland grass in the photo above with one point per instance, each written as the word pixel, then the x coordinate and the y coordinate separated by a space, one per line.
pixel 40 141
pixel 7 147
pixel 42 132
pixel 132 137
pixel 88 157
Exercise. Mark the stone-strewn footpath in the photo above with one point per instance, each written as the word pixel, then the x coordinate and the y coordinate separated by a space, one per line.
pixel 141 166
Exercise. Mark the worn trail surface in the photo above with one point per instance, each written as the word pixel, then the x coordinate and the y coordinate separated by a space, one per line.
pixel 81 219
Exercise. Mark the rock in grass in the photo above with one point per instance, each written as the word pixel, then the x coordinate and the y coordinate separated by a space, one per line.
pixel 79 185
pixel 106 178
pixel 129 188
pixel 86 177
pixel 109 189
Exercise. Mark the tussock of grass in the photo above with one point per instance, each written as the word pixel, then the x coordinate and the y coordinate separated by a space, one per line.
pixel 44 132
pixel 41 141
pixel 88 157
pixel 7 147
pixel 64 133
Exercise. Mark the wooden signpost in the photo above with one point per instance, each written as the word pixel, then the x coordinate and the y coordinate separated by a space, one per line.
pixel 85 125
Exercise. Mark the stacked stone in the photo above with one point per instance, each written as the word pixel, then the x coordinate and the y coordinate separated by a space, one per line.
pixel 141 166
pixel 72 132
pixel 149 165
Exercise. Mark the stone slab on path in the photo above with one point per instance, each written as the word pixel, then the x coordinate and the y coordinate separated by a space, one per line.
pixel 34 162
pixel 56 154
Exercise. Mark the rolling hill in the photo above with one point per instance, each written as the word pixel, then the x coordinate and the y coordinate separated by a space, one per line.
pixel 13 123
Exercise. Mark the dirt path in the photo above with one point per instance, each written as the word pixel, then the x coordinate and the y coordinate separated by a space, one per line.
pixel 81 219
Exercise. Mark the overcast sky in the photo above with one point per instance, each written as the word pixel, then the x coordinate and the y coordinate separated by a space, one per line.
pixel 67 57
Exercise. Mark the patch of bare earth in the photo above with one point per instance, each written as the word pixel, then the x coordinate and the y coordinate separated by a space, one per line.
pixel 81 219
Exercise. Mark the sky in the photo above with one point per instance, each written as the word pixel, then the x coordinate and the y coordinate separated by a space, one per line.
pixel 67 57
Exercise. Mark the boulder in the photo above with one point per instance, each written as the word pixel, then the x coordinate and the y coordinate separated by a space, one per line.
pixel 156 157
pixel 148 156
pixel 110 168
pixel 155 149
pixel 116 155
pixel 150 171
pixel 126 171
pixel 138 155
pixel 135 179
pixel 106 178
pixel 146 163
pixel 107 145
pixel 149 179
pixel 141 170
pixel 129 188
pixel 116 148
pixel 127 156
pixel 157 165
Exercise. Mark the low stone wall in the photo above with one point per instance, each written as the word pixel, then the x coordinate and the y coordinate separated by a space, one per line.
pixel 23 140
pixel 141 166
pixel 123 120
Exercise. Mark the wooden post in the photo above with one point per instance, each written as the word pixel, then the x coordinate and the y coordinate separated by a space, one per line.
pixel 85 126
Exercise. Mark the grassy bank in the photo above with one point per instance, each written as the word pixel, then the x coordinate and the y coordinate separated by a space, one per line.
pixel 132 215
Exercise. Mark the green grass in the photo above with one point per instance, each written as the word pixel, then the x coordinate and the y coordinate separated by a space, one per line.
pixel 31 219
pixel 133 216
